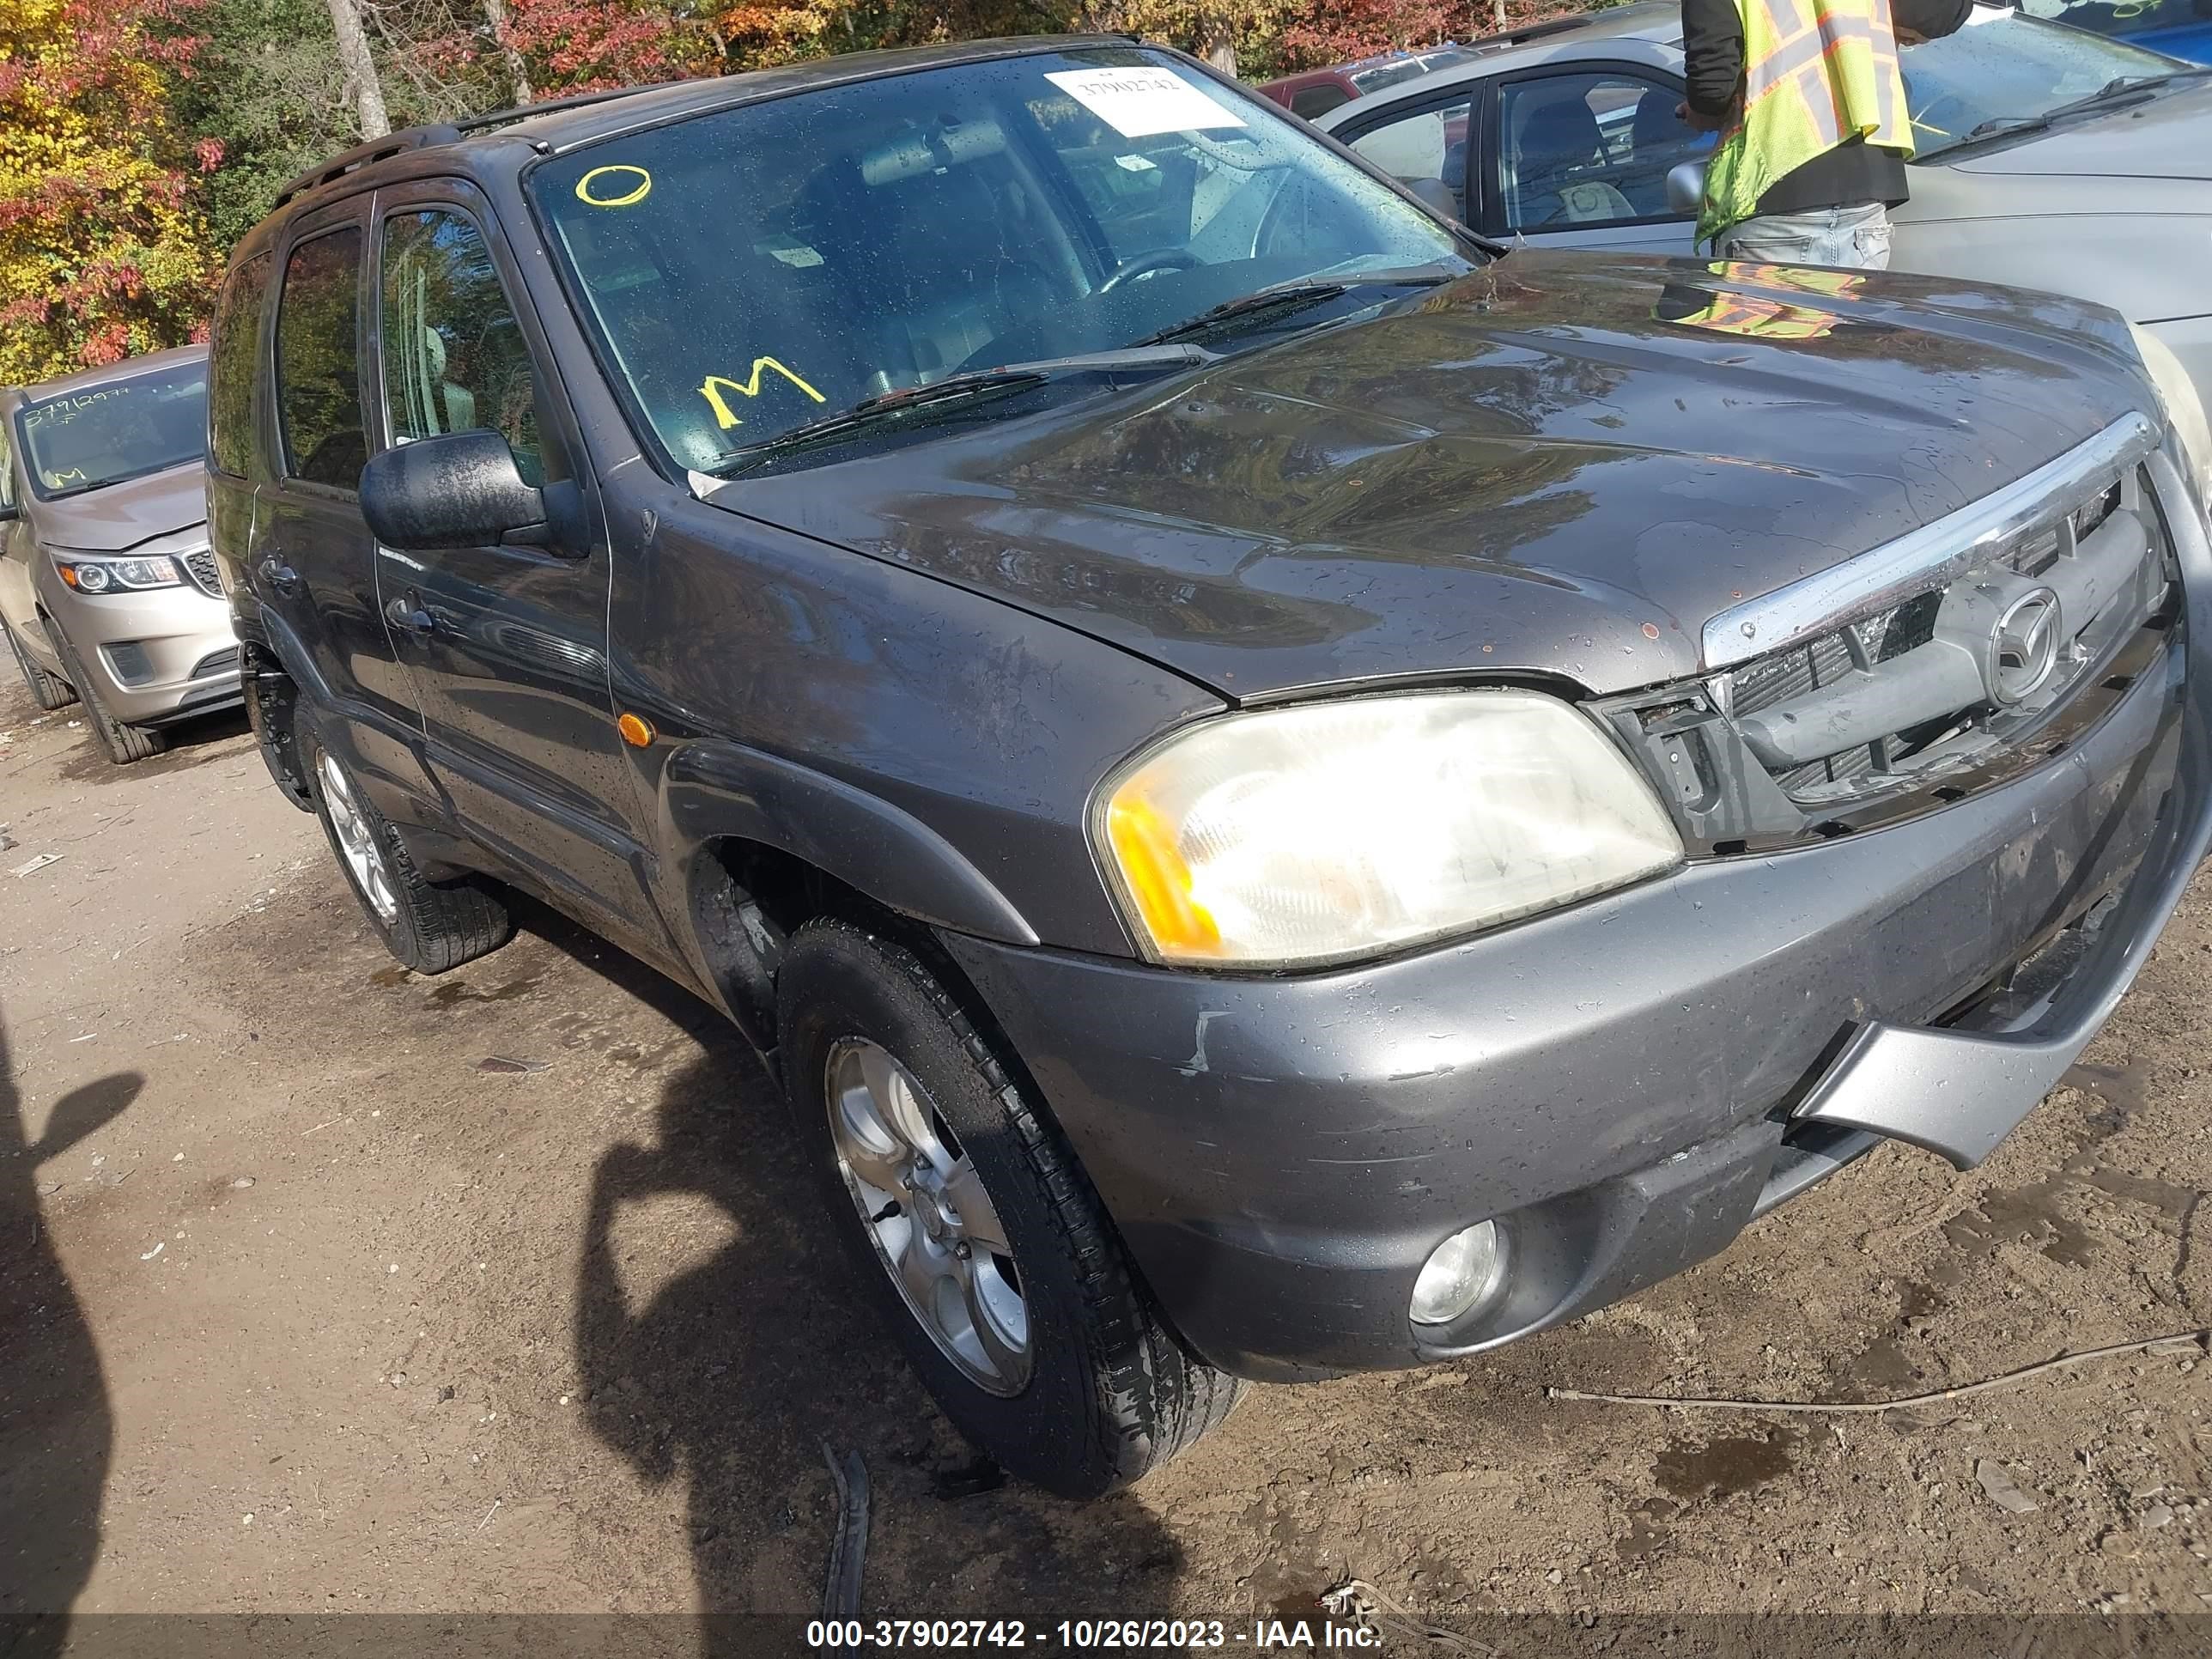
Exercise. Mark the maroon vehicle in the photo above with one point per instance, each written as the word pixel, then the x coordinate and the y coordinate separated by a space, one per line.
pixel 1316 91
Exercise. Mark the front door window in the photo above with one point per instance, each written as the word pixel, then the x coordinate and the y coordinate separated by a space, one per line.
pixel 1578 151
pixel 454 357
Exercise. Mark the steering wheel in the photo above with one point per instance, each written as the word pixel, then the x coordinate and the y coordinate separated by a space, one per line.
pixel 1144 264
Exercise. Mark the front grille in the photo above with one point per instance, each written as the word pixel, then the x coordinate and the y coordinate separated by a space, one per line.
pixel 1939 680
pixel 201 568
pixel 1925 670
pixel 216 662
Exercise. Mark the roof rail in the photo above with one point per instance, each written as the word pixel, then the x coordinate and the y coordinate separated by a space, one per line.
pixel 1533 31
pixel 393 143
pixel 552 106
pixel 397 143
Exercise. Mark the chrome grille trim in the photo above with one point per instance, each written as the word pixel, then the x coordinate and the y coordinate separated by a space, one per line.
pixel 1981 532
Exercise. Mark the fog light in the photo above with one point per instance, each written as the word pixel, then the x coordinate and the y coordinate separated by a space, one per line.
pixel 1461 1271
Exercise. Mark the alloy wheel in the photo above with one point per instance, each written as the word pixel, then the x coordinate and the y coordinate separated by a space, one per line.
pixel 935 1228
pixel 357 841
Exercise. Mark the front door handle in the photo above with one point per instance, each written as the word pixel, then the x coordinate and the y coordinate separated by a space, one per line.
pixel 406 613
pixel 281 577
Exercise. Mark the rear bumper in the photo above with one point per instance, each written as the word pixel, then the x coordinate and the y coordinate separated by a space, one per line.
pixel 1626 1085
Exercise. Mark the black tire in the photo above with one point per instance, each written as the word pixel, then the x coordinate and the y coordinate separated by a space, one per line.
pixel 47 691
pixel 1111 1393
pixel 123 744
pixel 434 925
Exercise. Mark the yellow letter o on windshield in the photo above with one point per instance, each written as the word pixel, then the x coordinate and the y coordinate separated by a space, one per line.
pixel 644 189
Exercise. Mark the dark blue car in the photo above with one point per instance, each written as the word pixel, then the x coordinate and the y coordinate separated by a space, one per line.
pixel 2182 29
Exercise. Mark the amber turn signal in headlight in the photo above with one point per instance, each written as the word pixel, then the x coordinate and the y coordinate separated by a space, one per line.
pixel 1331 831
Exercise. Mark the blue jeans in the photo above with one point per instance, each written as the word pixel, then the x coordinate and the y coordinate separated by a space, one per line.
pixel 1854 236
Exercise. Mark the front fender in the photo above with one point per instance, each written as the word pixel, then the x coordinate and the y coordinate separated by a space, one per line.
pixel 713 790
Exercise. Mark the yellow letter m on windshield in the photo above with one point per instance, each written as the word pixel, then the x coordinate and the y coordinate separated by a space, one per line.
pixel 716 386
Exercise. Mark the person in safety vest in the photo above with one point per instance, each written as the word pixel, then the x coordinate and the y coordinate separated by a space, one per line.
pixel 1814 132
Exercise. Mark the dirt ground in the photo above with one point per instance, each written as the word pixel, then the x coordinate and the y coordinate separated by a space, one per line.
pixel 302 1310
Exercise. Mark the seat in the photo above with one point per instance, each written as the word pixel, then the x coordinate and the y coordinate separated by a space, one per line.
pixel 1558 139
pixel 1656 140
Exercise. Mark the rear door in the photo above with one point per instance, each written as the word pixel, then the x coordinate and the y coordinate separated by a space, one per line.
pixel 313 563
pixel 1422 142
pixel 505 645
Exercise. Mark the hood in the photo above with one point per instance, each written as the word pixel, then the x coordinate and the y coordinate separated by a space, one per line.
pixel 1562 465
pixel 2169 135
pixel 118 518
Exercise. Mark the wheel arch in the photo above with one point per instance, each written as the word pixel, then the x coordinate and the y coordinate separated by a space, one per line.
pixel 766 846
pixel 276 680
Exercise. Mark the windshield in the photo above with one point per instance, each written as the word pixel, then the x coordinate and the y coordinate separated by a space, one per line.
pixel 753 270
pixel 2123 17
pixel 102 434
pixel 1390 75
pixel 2004 66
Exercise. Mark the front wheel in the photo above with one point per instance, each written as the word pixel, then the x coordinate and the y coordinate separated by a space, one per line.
pixel 428 926
pixel 990 1253
pixel 122 742
pixel 49 691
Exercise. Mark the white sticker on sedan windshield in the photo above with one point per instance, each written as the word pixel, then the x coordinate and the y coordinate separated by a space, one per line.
pixel 1139 102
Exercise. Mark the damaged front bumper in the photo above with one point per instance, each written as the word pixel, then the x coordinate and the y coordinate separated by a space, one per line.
pixel 1626 1085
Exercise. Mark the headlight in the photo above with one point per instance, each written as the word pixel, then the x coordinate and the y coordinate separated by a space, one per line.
pixel 1342 830
pixel 88 575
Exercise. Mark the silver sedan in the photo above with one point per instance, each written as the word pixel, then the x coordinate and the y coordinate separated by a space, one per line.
pixel 2049 158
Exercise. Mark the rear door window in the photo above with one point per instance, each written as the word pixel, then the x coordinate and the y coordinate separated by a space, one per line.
pixel 234 372
pixel 317 363
pixel 1424 148
pixel 454 357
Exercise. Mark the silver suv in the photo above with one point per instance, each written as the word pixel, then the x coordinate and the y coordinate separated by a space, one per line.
pixel 107 590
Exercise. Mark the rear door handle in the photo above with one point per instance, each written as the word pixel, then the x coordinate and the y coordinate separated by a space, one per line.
pixel 281 577
pixel 406 613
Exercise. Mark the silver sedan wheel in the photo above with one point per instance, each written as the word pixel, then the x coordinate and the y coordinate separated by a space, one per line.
pixel 357 843
pixel 924 1206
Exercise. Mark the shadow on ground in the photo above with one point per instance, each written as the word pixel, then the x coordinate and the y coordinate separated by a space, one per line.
pixel 56 1429
pixel 736 1373
pixel 192 742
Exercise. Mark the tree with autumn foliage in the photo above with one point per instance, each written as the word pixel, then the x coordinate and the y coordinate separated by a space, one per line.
pixel 556 46
pixel 104 250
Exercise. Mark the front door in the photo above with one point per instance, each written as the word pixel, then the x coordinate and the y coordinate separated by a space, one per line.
pixel 506 645
pixel 1578 158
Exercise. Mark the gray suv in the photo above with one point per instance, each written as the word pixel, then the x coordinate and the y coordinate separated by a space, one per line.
pixel 1286 790
pixel 107 589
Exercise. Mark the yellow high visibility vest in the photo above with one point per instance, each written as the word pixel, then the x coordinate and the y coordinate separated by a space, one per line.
pixel 1755 316
pixel 1815 73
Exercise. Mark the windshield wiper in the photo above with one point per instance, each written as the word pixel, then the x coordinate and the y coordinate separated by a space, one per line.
pixel 2130 87
pixel 1305 291
pixel 91 485
pixel 960 388
pixel 2119 84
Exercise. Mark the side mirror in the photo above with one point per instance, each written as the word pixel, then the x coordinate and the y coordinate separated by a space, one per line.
pixel 10 512
pixel 1685 188
pixel 463 489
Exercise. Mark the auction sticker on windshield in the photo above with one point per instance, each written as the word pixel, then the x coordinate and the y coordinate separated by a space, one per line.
pixel 1139 102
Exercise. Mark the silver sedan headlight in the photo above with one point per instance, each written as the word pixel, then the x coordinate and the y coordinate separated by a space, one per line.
pixel 1330 831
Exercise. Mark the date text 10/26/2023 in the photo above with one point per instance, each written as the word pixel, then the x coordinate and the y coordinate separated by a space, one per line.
pixel 1084 1635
